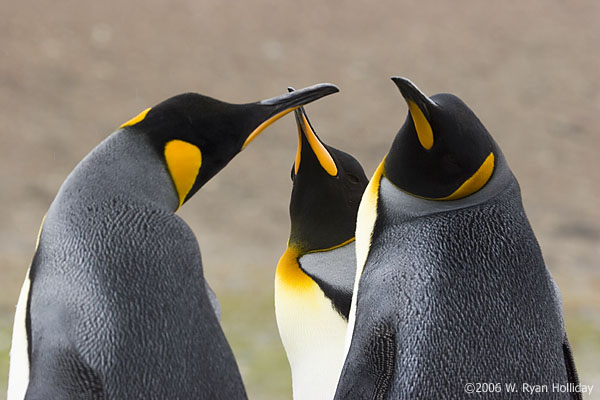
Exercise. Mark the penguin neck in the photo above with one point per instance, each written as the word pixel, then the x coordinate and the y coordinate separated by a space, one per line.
pixel 398 205
pixel 124 166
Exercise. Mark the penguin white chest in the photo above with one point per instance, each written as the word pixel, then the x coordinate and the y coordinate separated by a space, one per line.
pixel 311 330
pixel 18 376
pixel 365 223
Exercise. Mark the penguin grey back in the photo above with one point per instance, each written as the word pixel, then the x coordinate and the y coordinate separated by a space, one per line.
pixel 124 277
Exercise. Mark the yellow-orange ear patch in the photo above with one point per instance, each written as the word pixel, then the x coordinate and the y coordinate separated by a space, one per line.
pixel 183 161
pixel 138 118
pixel 476 181
pixel 424 131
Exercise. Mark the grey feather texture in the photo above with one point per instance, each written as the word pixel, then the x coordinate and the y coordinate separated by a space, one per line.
pixel 118 302
pixel 454 293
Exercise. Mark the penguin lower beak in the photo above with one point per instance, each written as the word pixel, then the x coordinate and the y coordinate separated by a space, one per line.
pixel 309 139
pixel 281 105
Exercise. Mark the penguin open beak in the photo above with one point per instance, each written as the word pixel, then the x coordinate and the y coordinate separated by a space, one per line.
pixel 281 105
pixel 420 107
pixel 308 139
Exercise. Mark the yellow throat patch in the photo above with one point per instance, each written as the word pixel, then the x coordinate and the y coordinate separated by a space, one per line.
pixel 289 273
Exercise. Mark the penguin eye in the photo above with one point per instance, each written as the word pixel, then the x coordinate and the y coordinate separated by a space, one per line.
pixel 451 164
pixel 450 159
pixel 353 179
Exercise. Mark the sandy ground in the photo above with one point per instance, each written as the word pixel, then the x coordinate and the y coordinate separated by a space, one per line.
pixel 72 71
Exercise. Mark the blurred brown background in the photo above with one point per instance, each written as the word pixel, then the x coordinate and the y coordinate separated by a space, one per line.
pixel 72 71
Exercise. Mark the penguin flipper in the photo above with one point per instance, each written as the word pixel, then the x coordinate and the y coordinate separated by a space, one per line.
pixel 334 272
pixel 368 372
pixel 385 358
pixel 341 298
pixel 69 377
pixel 570 366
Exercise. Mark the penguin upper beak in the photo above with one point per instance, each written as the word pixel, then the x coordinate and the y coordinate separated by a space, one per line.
pixel 279 106
pixel 308 139
pixel 420 107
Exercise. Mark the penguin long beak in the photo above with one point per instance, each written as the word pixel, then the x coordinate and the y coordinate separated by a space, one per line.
pixel 308 139
pixel 420 107
pixel 281 105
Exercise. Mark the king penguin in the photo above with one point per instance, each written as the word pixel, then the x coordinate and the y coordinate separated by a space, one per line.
pixel 315 275
pixel 114 305
pixel 451 289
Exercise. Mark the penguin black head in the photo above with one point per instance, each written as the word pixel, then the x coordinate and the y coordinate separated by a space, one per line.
pixel 443 151
pixel 197 135
pixel 327 187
